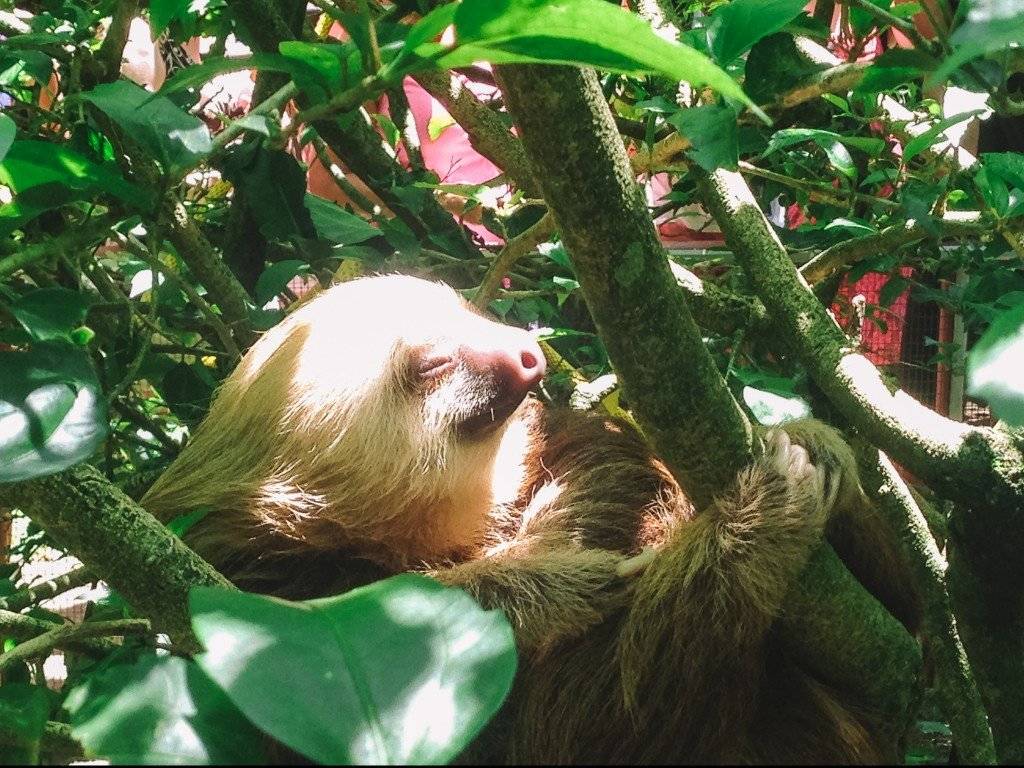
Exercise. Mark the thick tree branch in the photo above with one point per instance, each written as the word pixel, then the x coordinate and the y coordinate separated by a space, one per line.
pixel 120 542
pixel 681 403
pixel 957 692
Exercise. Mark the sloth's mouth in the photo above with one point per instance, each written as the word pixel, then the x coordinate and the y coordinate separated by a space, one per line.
pixel 491 417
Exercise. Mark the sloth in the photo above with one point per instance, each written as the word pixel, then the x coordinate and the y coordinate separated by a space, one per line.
pixel 387 426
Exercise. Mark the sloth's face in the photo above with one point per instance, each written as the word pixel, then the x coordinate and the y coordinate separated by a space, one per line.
pixel 413 354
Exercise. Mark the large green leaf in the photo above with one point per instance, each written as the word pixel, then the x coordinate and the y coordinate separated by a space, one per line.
pixel 586 32
pixel 160 711
pixel 270 183
pixel 52 414
pixel 163 12
pixel 402 671
pixel 736 26
pixel 170 134
pixel 994 367
pixel 991 25
pixel 1008 166
pixel 23 714
pixel 50 313
pixel 712 134
pixel 31 164
pixel 334 223
pixel 276 277
pixel 7 131
pixel 919 144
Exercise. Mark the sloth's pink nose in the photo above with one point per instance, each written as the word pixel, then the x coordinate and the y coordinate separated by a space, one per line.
pixel 516 364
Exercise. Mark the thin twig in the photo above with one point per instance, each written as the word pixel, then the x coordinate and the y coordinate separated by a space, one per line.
pixel 68 633
pixel 514 249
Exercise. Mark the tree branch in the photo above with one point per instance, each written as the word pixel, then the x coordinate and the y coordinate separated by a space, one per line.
pixel 682 403
pixel 514 250
pixel 120 542
pixel 958 694
pixel 487 133
pixel 982 468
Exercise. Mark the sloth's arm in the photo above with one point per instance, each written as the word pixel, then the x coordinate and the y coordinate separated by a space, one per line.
pixel 549 590
pixel 704 605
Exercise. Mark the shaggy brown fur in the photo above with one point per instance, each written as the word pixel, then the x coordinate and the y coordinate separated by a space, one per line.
pixel 330 459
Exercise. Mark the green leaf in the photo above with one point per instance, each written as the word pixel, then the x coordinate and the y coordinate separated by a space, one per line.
pixel 712 134
pixel 401 671
pixel 735 27
pixel 585 32
pixel 8 129
pixel 994 365
pixel 833 144
pixel 23 711
pixel 160 711
pixel 270 183
pixel 276 277
pixel 337 225
pixel 919 144
pixel 330 67
pixel 51 313
pixel 789 136
pixel 169 133
pixel 31 164
pixel 1008 166
pixel 424 31
pixel 771 408
pixel 993 189
pixel 163 12
pixel 52 414
pixel 991 25
pixel 894 68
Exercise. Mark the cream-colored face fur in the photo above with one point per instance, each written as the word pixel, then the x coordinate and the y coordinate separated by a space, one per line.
pixel 373 413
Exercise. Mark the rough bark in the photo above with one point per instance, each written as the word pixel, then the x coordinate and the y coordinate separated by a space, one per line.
pixel 981 469
pixel 120 542
pixel 675 391
pixel 681 401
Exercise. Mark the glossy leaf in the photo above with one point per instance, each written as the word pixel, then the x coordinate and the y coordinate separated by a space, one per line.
pixel 51 313
pixel 402 671
pixel 994 367
pixel 736 26
pixel 8 129
pixel 586 32
pixel 29 164
pixel 337 225
pixel 52 414
pixel 161 710
pixel 991 25
pixel 919 144
pixel 712 134
pixel 170 134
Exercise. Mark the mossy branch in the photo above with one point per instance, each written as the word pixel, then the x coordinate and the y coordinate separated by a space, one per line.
pixel 487 133
pixel 120 542
pixel 957 692
pixel 682 402
pixel 982 468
